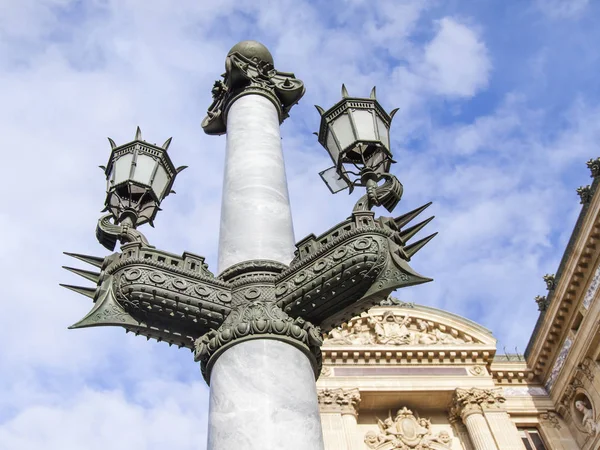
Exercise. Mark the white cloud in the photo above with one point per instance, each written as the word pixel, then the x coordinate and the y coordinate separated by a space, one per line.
pixel 96 420
pixel 562 9
pixel 456 60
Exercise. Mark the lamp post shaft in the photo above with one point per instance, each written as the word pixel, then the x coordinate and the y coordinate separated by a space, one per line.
pixel 262 388
pixel 256 221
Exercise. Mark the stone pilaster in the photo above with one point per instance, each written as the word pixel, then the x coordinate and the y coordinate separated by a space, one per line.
pixel 339 411
pixel 486 420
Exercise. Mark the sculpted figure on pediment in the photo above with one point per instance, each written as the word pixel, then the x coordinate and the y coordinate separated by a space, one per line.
pixel 392 329
pixel 406 431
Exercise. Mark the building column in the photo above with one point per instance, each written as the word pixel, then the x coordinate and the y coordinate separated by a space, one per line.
pixel 488 424
pixel 339 410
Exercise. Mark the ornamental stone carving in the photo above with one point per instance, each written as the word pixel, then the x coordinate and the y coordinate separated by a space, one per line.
pixel 585 194
pixel 326 371
pixel 542 302
pixel 550 419
pixel 585 415
pixel 406 431
pixel 585 369
pixel 475 400
pixel 390 328
pixel 550 280
pixel 344 401
pixel 594 166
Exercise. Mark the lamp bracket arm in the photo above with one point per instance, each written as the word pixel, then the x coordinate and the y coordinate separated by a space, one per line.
pixel 387 195
pixel 108 233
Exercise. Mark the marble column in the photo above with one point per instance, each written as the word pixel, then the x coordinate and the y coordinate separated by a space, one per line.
pixel 262 385
pixel 256 221
pixel 263 397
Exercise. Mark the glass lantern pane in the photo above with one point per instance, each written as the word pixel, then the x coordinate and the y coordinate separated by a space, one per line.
pixel 144 168
pixel 161 179
pixel 383 133
pixel 332 147
pixel 365 126
pixel 342 129
pixel 376 160
pixel 333 181
pixel 122 167
pixel 110 179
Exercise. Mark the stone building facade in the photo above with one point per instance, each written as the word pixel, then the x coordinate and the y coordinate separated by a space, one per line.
pixel 405 376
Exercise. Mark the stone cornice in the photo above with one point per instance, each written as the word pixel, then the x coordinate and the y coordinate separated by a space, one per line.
pixel 344 401
pixel 472 401
pixel 511 372
pixel 576 269
pixel 393 355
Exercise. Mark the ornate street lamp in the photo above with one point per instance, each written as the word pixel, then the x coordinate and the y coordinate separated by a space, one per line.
pixel 356 134
pixel 256 327
pixel 139 175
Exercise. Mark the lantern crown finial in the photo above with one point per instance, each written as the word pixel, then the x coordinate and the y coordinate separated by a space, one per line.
pixel 344 91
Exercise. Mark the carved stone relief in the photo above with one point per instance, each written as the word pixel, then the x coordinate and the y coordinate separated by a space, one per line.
pixel 550 419
pixel 394 329
pixel 406 431
pixel 584 415
pixel 585 369
pixel 475 400
pixel 344 401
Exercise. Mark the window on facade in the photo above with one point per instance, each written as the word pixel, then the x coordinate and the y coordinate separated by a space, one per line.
pixel 531 439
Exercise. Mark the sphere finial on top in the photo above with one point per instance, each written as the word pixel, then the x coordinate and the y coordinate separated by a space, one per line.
pixel 253 50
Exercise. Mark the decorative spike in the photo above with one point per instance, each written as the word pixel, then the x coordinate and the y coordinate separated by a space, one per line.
pixel 112 143
pixel 411 249
pixel 405 218
pixel 393 113
pixel 88 292
pixel 138 134
pixel 373 93
pixel 103 168
pixel 315 133
pixel 167 143
pixel 410 232
pixel 181 168
pixel 106 311
pixel 321 110
pixel 344 91
pixel 87 274
pixel 172 192
pixel 95 261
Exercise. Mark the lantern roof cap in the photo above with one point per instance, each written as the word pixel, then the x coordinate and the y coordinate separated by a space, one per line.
pixel 252 50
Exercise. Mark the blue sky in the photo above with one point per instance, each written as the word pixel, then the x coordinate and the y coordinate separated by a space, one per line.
pixel 498 115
